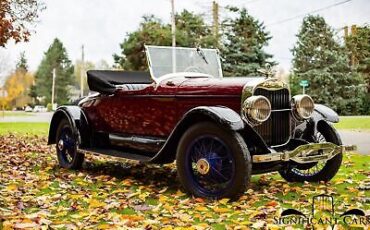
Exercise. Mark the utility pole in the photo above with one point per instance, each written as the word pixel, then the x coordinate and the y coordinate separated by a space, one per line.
pixel 215 16
pixel 3 94
pixel 173 31
pixel 345 32
pixel 353 56
pixel 53 89
pixel 82 71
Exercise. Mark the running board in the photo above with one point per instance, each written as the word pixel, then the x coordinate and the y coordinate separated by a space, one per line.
pixel 116 153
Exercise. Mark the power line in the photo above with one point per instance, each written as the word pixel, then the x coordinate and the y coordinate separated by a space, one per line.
pixel 251 1
pixel 310 12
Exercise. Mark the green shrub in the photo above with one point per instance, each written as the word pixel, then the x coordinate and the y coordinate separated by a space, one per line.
pixel 49 107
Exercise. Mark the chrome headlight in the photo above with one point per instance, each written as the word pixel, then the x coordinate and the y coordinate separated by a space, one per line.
pixel 256 109
pixel 303 106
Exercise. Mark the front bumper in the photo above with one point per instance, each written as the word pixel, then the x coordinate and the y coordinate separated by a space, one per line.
pixel 308 153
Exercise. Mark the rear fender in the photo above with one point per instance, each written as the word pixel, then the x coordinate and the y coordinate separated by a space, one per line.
pixel 225 117
pixel 76 119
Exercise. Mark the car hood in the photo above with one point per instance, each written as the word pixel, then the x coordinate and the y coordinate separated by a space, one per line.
pixel 216 86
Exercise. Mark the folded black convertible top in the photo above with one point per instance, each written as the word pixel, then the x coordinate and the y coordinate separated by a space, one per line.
pixel 104 81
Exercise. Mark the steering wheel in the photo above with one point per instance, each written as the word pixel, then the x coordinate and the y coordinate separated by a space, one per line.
pixel 195 69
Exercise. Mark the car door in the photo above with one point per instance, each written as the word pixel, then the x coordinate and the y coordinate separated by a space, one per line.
pixel 148 112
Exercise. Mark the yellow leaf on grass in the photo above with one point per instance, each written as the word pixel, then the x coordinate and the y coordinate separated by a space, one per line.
pixel 221 210
pixel 7 225
pixel 162 198
pixel 144 195
pixel 201 208
pixel 12 187
pixel 179 193
pixel 167 228
pixel 75 196
pixel 119 191
pixel 224 200
pixel 94 203
pixel 104 226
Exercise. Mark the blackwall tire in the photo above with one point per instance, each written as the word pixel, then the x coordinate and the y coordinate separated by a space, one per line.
pixel 328 171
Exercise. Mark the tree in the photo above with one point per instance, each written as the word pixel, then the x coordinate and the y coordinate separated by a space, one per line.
pixel 15 18
pixel 244 40
pixel 191 31
pixel 22 63
pixel 151 32
pixel 319 59
pixel 18 85
pixel 55 57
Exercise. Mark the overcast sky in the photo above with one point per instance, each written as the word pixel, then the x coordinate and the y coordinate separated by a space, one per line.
pixel 102 24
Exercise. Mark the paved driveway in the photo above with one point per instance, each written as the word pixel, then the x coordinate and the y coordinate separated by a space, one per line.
pixel 32 117
pixel 359 138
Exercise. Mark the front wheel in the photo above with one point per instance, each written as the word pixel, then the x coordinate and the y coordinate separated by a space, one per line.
pixel 319 171
pixel 213 162
pixel 66 147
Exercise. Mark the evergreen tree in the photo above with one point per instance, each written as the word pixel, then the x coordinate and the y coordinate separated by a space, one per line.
pixel 22 63
pixel 244 39
pixel 319 59
pixel 55 57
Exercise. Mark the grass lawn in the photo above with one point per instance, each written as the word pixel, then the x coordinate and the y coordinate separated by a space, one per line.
pixel 355 122
pixel 24 128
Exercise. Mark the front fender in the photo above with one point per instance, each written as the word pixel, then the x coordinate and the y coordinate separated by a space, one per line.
pixel 223 116
pixel 325 113
pixel 321 118
pixel 76 118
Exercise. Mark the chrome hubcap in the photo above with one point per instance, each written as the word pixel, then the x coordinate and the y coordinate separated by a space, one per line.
pixel 203 166
pixel 60 145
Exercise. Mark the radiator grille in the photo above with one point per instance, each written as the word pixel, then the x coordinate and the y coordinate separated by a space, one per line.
pixel 276 130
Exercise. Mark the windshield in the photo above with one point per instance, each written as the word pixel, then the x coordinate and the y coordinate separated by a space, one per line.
pixel 164 60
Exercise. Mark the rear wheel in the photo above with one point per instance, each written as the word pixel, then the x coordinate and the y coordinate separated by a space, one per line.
pixel 319 171
pixel 213 162
pixel 66 147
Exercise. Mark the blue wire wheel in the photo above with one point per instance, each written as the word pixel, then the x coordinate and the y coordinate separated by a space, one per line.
pixel 66 145
pixel 210 165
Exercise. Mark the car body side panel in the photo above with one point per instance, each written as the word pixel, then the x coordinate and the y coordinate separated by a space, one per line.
pixel 156 109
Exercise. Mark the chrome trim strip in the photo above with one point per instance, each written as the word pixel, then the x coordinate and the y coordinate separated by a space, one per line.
pixel 137 139
pixel 280 110
pixel 306 153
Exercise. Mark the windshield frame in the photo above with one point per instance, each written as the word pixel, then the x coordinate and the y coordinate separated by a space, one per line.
pixel 175 74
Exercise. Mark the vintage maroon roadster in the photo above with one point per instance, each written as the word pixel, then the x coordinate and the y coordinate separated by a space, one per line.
pixel 219 130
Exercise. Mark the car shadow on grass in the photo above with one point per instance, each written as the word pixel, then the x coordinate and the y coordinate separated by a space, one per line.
pixel 153 176
pixel 160 176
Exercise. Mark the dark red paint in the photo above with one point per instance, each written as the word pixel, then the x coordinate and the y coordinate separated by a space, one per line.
pixel 155 110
